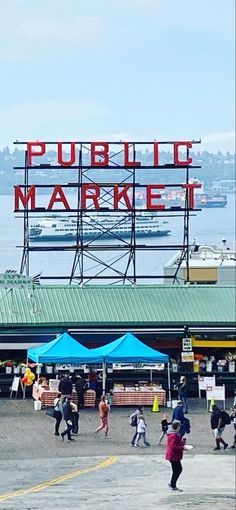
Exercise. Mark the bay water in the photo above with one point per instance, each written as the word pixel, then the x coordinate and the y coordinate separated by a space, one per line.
pixel 208 226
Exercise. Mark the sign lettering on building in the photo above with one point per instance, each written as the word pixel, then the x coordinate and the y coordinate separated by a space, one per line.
pixel 187 344
pixel 100 155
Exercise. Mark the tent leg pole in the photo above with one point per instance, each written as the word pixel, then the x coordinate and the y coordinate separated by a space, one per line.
pixel 103 378
pixel 169 390
pixel 38 372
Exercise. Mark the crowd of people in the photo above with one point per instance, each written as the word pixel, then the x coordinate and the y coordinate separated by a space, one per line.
pixel 174 428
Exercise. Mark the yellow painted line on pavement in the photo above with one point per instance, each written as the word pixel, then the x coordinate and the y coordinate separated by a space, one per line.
pixel 59 479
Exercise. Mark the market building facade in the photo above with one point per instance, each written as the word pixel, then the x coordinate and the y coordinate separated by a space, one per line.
pixel 194 325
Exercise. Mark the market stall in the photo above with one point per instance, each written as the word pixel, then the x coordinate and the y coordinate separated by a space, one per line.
pixel 138 395
pixel 47 397
pixel 128 349
pixel 63 349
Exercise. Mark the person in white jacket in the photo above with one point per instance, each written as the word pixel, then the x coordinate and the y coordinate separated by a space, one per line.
pixel 141 431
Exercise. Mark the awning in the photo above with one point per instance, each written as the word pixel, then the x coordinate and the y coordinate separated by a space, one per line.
pixel 64 349
pixel 221 342
pixel 18 346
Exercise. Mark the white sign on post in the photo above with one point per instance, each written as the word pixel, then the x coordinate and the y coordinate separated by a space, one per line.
pixel 53 384
pixel 186 344
pixel 203 382
pixel 215 393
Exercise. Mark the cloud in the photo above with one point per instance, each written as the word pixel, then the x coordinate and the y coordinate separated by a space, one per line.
pixel 36 35
pixel 223 141
pixel 51 120
pixel 54 29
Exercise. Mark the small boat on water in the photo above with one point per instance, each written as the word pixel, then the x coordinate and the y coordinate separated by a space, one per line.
pixel 95 227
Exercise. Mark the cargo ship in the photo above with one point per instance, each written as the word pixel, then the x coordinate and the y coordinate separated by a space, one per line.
pixel 201 200
pixel 208 200
pixel 176 198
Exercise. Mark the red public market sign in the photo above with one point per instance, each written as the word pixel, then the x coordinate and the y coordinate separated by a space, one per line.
pixel 26 197
pixel 100 153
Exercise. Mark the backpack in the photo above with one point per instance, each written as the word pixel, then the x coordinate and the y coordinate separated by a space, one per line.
pixel 133 420
pixel 186 425
pixel 226 418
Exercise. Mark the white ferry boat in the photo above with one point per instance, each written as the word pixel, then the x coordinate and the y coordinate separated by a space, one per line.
pixel 208 264
pixel 60 229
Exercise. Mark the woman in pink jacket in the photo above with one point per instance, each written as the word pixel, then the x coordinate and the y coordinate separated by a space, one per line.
pixel 174 453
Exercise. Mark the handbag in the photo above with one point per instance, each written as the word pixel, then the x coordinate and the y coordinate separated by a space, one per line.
pixel 51 412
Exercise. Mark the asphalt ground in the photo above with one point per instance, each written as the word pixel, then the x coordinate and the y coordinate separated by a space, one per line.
pixel 39 470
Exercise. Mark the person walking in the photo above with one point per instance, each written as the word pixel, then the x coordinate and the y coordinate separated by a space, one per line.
pixel 65 386
pixel 68 417
pixel 164 428
pixel 103 410
pixel 233 419
pixel 218 426
pixel 182 392
pixel 178 414
pixel 133 420
pixel 75 418
pixel 58 410
pixel 174 454
pixel 141 432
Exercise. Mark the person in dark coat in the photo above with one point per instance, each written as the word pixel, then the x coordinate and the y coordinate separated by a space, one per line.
pixel 65 386
pixel 68 417
pixel 80 387
pixel 93 379
pixel 178 414
pixel 174 454
pixel 164 428
pixel 218 426
pixel 182 392
pixel 57 413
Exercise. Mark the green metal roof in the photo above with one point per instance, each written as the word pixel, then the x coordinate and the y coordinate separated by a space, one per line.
pixel 153 305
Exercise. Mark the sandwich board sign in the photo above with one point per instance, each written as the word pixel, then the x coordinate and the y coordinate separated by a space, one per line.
pixel 216 393
pixel 203 382
pixel 15 385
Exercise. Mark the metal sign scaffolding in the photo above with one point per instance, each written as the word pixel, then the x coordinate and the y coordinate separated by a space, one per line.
pixel 109 254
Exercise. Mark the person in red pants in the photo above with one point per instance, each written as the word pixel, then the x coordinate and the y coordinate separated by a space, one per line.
pixel 103 414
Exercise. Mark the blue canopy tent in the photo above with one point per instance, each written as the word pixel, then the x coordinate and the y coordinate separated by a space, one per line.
pixel 64 349
pixel 129 349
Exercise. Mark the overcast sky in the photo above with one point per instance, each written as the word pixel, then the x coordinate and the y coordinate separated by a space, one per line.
pixel 117 69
